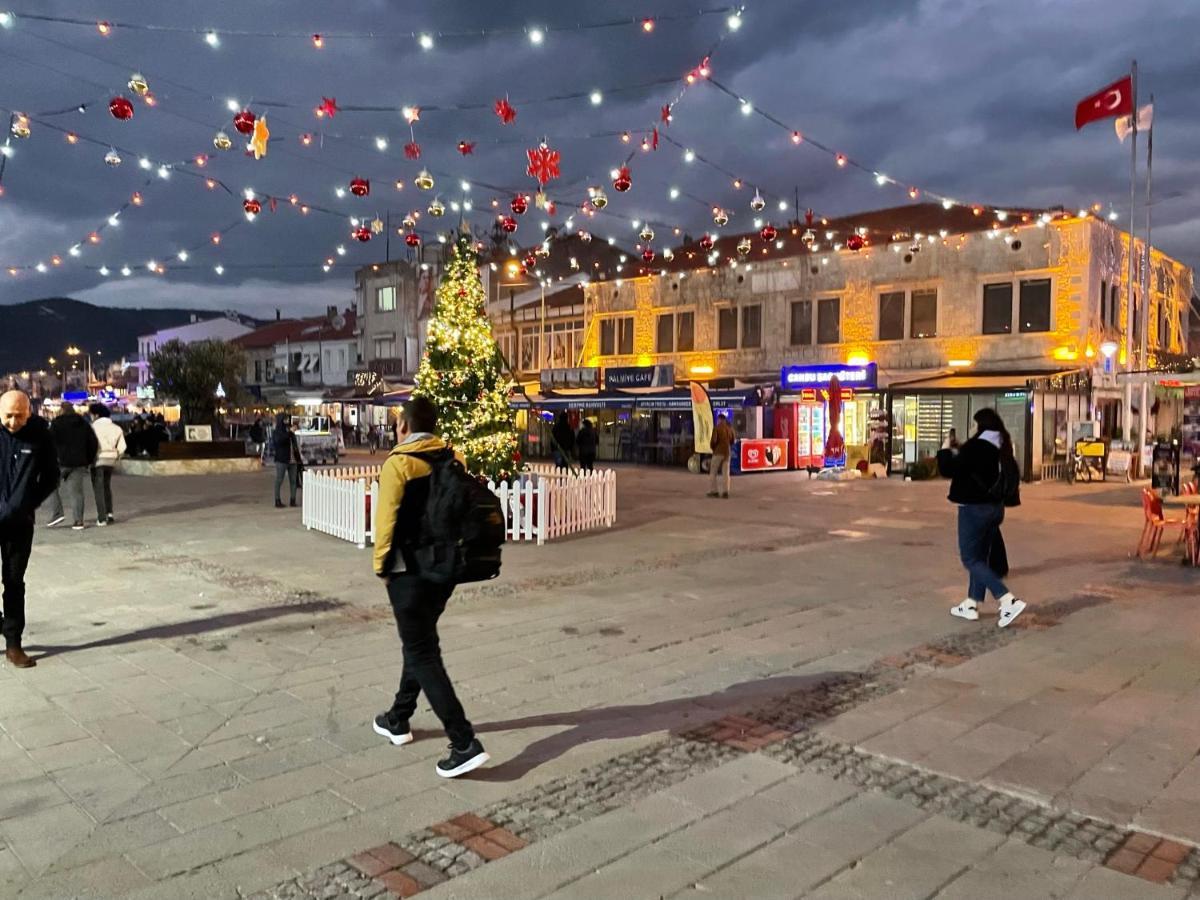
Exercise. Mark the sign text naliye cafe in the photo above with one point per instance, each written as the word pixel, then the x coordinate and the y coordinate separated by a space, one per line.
pixel 819 376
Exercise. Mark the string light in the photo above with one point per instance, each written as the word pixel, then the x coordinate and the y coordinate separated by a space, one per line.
pixel 210 38
pixel 318 41
pixel 104 271
pixel 219 269
pixel 381 144
pixel 6 20
pixel 426 41
pixel 647 25
pixel 104 28
pixel 734 21
pixel 596 98
pixel 536 36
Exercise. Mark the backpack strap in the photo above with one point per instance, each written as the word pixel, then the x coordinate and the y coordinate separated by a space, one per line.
pixel 432 457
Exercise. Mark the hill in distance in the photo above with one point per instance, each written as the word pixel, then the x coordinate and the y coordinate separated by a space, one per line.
pixel 32 332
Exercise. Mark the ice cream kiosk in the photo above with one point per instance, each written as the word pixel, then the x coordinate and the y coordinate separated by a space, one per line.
pixel 824 413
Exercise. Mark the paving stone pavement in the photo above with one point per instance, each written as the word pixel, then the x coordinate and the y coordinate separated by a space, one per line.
pixel 196 725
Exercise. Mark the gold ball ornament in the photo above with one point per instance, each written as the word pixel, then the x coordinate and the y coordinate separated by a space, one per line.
pixel 720 217
pixel 20 126
pixel 437 209
pixel 222 141
pixel 743 246
pixel 598 197
pixel 138 84
pixel 647 233
pixel 757 203
pixel 424 181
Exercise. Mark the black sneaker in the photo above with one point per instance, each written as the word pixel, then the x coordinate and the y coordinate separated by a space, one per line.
pixel 460 762
pixel 111 519
pixel 279 504
pixel 395 730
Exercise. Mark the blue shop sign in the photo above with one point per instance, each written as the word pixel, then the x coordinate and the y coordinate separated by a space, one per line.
pixel 797 377
pixel 639 377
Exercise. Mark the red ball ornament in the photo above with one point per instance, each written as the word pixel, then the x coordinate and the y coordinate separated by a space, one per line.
pixel 855 242
pixel 360 187
pixel 252 206
pixel 706 243
pixel 412 239
pixel 243 122
pixel 768 233
pixel 362 233
pixel 530 261
pixel 623 181
pixel 121 108
pixel 648 255
pixel 509 224
pixel 519 205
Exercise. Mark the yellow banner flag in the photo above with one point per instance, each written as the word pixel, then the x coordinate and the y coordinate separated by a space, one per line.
pixel 702 418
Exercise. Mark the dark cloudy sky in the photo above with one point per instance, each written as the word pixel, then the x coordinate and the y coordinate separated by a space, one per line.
pixel 971 99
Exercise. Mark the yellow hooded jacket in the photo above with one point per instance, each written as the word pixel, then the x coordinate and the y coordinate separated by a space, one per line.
pixel 403 491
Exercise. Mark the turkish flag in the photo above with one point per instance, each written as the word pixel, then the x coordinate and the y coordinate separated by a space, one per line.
pixel 1115 100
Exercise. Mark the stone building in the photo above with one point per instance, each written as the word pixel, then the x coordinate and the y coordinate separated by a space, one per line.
pixel 955 310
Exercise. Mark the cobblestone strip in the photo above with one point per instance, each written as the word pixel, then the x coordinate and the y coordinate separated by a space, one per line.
pixel 1064 832
pixel 781 728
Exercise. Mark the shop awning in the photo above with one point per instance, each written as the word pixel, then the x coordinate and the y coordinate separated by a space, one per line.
pixel 980 381
pixel 678 399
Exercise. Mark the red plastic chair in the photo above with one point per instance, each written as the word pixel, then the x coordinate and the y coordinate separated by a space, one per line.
pixel 1191 534
pixel 1156 523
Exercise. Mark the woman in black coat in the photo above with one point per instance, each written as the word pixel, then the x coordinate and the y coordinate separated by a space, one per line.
pixel 984 479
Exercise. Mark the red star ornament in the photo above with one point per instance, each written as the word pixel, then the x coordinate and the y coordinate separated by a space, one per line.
pixel 412 150
pixel 505 110
pixel 543 163
pixel 665 114
pixel 466 148
pixel 328 108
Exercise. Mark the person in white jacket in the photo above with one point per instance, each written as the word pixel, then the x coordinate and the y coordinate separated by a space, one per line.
pixel 112 448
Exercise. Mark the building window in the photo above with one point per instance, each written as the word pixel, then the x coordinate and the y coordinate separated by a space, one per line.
pixel 1137 318
pixel 258 371
pixel 1103 303
pixel 664 341
pixel 385 347
pixel 801 329
pixel 529 349
pixel 675 333
pixel 751 326
pixel 616 336
pixel 564 341
pixel 727 323
pixel 1114 306
pixel 385 299
pixel 923 314
pixel 685 332
pixel 1035 305
pixel 829 321
pixel 891 316
pixel 997 308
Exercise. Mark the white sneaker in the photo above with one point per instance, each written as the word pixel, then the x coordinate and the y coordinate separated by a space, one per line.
pixel 968 610
pixel 57 520
pixel 1010 608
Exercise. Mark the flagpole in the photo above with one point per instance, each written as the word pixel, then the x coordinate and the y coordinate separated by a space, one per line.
pixel 1146 289
pixel 1127 424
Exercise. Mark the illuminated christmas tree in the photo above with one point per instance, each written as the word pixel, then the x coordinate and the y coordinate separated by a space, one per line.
pixel 462 371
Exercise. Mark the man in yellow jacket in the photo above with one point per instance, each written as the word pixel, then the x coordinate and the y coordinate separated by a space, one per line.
pixel 404 486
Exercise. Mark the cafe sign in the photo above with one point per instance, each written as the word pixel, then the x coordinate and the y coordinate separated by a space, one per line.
pixel 640 377
pixel 801 377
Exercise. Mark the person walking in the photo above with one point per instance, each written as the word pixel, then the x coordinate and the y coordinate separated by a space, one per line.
pixel 418 603
pixel 76 445
pixel 28 475
pixel 722 450
pixel 585 443
pixel 111 440
pixel 984 479
pixel 287 457
pixel 373 440
pixel 258 436
pixel 564 441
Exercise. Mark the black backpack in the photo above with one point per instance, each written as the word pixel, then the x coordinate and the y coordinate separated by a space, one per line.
pixel 1007 487
pixel 463 526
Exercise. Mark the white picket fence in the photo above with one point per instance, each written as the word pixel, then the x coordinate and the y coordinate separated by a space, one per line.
pixel 541 504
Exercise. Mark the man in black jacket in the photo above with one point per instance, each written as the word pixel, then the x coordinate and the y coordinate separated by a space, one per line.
pixel 28 475
pixel 77 446
pixel 287 457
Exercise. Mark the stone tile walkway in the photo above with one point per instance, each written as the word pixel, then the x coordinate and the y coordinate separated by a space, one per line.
pixel 197 722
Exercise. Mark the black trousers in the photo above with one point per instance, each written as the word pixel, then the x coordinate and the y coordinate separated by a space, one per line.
pixel 102 487
pixel 16 542
pixel 418 605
